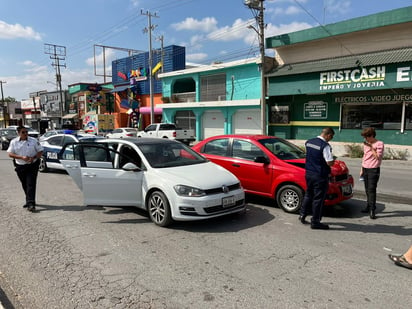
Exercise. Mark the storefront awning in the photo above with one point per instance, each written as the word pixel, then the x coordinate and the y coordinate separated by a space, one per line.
pixel 120 88
pixel 147 110
pixel 70 116
pixel 362 60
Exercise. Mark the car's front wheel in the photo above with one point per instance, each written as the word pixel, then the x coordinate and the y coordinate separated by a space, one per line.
pixel 43 166
pixel 290 198
pixel 159 209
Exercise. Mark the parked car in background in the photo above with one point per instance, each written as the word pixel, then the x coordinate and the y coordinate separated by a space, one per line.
pixel 53 144
pixel 272 167
pixel 32 132
pixel 164 177
pixel 122 132
pixel 168 130
pixel 6 136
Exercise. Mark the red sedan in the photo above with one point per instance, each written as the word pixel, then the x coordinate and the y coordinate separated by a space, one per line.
pixel 272 167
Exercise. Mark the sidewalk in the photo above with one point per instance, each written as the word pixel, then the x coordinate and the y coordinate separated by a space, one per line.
pixel 339 148
pixel 394 183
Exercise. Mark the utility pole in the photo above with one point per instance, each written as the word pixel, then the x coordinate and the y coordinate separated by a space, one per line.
pixel 149 30
pixel 257 7
pixel 34 96
pixel 162 53
pixel 57 53
pixel 3 104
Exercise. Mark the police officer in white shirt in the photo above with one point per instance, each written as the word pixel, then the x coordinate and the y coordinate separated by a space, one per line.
pixel 26 151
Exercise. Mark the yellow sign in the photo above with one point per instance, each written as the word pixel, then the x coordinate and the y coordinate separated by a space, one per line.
pixel 157 67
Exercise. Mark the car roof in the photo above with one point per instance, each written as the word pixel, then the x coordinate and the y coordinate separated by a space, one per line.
pixel 78 136
pixel 143 140
pixel 90 136
pixel 247 136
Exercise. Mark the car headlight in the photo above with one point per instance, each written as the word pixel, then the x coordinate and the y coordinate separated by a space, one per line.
pixel 189 191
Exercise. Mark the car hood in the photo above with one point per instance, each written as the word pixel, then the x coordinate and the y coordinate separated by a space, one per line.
pixel 338 168
pixel 206 175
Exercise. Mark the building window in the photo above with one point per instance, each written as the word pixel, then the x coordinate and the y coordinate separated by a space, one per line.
pixel 380 116
pixel 279 114
pixel 213 88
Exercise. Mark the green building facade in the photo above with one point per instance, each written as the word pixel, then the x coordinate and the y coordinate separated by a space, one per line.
pixel 345 81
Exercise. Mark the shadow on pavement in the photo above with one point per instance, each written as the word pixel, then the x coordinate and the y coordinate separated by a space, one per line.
pixel 370 228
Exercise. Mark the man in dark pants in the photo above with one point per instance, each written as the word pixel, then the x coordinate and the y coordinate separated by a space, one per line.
pixel 26 152
pixel 319 159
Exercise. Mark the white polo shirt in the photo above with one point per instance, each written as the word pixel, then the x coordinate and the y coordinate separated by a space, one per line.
pixel 28 148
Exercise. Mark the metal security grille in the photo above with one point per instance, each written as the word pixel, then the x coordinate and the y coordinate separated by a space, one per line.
pixel 185 119
pixel 213 88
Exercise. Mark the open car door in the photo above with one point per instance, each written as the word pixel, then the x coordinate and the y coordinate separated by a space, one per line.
pixel 95 169
pixel 69 158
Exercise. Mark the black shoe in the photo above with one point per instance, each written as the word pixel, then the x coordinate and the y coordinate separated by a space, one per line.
pixel 302 220
pixel 31 207
pixel 395 258
pixel 319 226
pixel 365 210
pixel 372 215
pixel 25 206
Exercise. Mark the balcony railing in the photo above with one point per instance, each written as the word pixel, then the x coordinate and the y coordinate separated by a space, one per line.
pixel 183 97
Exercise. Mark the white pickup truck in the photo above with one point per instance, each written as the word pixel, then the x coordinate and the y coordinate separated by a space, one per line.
pixel 168 130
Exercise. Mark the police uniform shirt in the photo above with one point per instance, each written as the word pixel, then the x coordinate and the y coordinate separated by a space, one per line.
pixel 28 148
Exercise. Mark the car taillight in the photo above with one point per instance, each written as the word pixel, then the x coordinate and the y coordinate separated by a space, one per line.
pixel 174 134
pixel 129 134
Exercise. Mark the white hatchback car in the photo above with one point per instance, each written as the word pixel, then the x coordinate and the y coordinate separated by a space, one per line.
pixel 164 177
pixel 122 133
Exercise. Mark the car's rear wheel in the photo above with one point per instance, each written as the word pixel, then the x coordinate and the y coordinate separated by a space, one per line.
pixel 43 166
pixel 159 209
pixel 290 198
pixel 3 146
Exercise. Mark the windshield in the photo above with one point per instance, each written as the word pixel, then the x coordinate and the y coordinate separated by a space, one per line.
pixel 162 155
pixel 283 149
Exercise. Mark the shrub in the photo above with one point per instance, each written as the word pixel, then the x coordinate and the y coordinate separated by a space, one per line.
pixel 354 150
pixel 395 154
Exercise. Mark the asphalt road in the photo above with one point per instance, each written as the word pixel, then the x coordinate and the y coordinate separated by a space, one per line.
pixel 69 256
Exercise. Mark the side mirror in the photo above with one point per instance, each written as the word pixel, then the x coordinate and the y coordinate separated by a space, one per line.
pixel 261 159
pixel 130 167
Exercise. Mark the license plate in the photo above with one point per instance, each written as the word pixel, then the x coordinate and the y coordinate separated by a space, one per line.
pixel 51 155
pixel 228 201
pixel 347 190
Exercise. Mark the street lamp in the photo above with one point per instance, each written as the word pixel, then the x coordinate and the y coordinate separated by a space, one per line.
pixel 257 8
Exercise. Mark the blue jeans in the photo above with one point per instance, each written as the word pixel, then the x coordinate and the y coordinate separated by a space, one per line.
pixel 371 176
pixel 317 187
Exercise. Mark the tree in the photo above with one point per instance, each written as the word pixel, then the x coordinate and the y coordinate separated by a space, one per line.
pixel 9 99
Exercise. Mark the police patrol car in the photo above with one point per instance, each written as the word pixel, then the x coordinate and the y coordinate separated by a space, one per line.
pixel 53 144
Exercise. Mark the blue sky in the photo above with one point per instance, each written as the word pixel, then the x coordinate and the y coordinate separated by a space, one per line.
pixel 211 30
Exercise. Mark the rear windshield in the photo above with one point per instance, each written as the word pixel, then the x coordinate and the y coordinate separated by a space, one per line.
pixel 170 155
